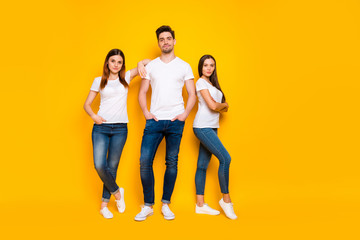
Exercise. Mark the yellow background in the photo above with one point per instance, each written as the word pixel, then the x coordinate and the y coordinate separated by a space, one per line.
pixel 290 71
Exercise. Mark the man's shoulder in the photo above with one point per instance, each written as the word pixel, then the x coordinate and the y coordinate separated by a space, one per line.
pixel 180 61
pixel 152 62
pixel 155 60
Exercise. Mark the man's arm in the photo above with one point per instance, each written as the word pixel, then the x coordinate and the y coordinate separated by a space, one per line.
pixel 190 88
pixel 144 87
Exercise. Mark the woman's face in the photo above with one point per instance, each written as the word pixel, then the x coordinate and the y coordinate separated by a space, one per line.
pixel 115 63
pixel 208 67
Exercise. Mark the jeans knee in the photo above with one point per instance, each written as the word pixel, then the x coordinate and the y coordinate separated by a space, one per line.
pixel 201 168
pixel 171 162
pixel 100 168
pixel 145 163
pixel 226 159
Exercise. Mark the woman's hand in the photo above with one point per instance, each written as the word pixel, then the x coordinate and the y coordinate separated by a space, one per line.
pixel 225 109
pixel 141 69
pixel 97 119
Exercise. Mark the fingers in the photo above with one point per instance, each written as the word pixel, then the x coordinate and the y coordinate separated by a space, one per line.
pixel 151 116
pixel 99 120
pixel 142 75
pixel 142 72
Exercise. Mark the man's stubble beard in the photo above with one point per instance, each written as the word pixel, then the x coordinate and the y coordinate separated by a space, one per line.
pixel 167 51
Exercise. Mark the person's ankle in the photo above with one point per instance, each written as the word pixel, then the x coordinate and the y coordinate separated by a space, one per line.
pixel 226 199
pixel 200 204
pixel 117 196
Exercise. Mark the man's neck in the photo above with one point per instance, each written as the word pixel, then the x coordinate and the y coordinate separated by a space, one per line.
pixel 167 57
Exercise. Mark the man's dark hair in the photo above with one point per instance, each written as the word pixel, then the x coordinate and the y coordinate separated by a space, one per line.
pixel 164 28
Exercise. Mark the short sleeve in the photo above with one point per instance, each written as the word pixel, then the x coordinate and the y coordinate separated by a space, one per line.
pixel 96 84
pixel 127 77
pixel 188 73
pixel 201 84
pixel 148 69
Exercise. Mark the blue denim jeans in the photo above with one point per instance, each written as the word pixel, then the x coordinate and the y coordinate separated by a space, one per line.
pixel 154 132
pixel 211 144
pixel 108 142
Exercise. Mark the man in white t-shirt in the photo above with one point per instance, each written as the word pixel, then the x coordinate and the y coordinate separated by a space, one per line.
pixel 167 75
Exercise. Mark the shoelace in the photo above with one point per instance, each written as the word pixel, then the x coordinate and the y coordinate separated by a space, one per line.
pixel 143 210
pixel 118 204
pixel 106 211
pixel 167 210
pixel 229 206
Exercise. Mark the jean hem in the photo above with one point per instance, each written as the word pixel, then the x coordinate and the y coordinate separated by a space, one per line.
pixel 113 193
pixel 149 204
pixel 105 200
pixel 165 201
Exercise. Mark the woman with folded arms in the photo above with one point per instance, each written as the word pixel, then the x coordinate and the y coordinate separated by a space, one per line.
pixel 205 126
pixel 110 123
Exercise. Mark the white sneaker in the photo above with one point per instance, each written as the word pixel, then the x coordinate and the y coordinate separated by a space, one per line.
pixel 168 214
pixel 106 213
pixel 146 211
pixel 228 209
pixel 121 203
pixel 205 209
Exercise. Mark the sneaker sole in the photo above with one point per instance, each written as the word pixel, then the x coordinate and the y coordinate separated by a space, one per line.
pixel 143 219
pixel 169 218
pixel 213 214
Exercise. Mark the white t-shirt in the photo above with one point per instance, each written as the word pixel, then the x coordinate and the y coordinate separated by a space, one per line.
pixel 167 81
pixel 205 117
pixel 113 99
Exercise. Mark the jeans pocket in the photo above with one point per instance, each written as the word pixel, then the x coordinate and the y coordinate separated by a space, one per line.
pixel 183 122
pixel 148 121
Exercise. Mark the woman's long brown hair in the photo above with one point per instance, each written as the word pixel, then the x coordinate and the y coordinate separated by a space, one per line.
pixel 106 70
pixel 213 78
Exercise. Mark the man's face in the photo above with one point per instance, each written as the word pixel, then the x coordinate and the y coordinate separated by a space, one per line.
pixel 166 42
